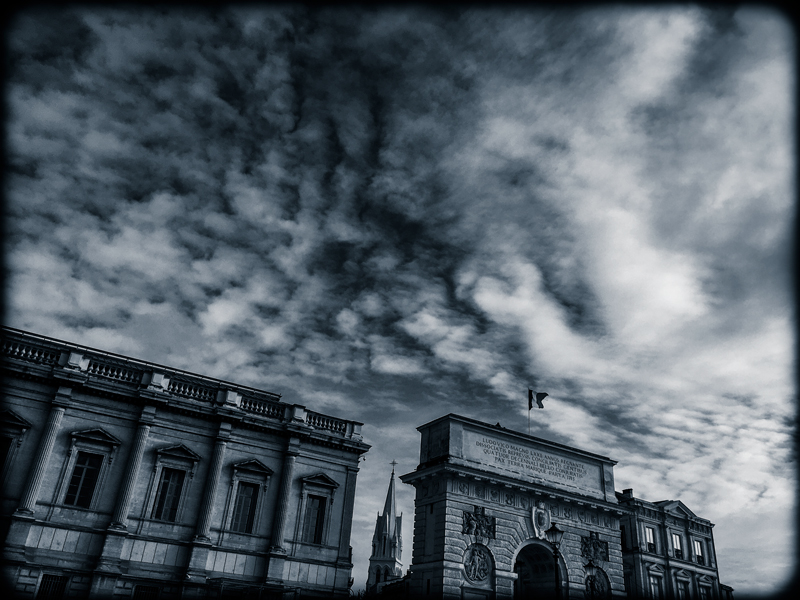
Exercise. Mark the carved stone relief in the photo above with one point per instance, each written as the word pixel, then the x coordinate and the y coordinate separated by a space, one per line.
pixel 477 563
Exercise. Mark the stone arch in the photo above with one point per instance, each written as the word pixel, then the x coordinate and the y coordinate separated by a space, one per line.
pixel 534 565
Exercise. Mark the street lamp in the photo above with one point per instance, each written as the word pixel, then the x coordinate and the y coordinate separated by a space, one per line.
pixel 591 581
pixel 554 535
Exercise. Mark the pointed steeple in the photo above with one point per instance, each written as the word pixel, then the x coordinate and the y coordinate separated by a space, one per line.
pixel 390 506
pixel 387 543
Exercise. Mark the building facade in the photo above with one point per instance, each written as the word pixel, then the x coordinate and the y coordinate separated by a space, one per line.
pixel 385 564
pixel 486 498
pixel 127 479
pixel 668 551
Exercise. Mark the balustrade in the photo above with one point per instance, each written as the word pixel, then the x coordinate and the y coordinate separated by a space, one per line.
pixel 30 353
pixel 117 372
pixel 187 390
pixel 323 422
pixel 262 407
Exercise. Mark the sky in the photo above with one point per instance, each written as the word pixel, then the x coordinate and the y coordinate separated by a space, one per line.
pixel 389 215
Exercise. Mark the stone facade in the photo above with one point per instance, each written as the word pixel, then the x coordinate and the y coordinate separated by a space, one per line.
pixel 127 479
pixel 485 496
pixel 668 551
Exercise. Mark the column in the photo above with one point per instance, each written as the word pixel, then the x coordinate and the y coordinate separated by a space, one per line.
pixel 212 483
pixel 132 470
pixel 279 525
pixel 347 515
pixel 46 443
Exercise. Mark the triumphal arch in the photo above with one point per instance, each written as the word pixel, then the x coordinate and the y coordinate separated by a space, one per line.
pixel 501 514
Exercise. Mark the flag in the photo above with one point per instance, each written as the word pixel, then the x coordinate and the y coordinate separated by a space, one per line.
pixel 538 396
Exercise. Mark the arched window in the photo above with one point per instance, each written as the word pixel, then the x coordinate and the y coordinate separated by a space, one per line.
pixel 378 575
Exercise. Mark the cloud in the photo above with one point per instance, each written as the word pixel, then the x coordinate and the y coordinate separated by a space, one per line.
pixel 391 215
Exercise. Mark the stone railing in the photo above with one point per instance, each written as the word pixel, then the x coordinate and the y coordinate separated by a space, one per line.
pixel 189 390
pixel 319 421
pixel 112 371
pixel 150 377
pixel 266 408
pixel 26 352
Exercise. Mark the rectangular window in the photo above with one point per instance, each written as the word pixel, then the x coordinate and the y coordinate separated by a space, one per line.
pixel 622 537
pixel 683 590
pixel 676 545
pixel 169 494
pixel 244 509
pixel 315 520
pixel 650 535
pixel 145 592
pixel 655 588
pixel 84 479
pixel 698 552
pixel 704 593
pixel 52 587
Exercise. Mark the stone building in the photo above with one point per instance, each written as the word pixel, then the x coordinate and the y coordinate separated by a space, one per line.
pixel 130 479
pixel 668 551
pixel 385 565
pixel 486 500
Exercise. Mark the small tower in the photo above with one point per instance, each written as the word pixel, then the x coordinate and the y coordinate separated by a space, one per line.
pixel 387 544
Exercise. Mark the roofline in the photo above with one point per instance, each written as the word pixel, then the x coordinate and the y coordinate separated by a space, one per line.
pixel 128 359
pixel 519 435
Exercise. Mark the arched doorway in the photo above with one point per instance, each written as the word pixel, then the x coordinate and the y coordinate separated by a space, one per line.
pixel 535 571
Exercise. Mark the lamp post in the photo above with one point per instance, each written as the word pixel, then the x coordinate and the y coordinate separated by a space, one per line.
pixel 591 581
pixel 554 535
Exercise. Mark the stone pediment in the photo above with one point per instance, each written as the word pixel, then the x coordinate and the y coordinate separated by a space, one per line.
pixel 678 508
pixel 655 568
pixel 11 420
pixel 320 479
pixel 705 579
pixel 683 574
pixel 253 466
pixel 97 436
pixel 179 451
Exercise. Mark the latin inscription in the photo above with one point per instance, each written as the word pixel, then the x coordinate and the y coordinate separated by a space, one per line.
pixel 533 462
pixel 511 455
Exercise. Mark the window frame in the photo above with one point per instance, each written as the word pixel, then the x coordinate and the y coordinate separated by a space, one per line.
pixel 677 545
pixel 700 557
pixel 12 427
pixel 322 486
pixel 650 539
pixel 90 441
pixel 655 573
pixel 177 457
pixel 683 585
pixel 61 576
pixel 254 472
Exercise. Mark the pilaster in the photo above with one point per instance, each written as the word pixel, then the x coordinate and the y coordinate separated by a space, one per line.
pixel 277 553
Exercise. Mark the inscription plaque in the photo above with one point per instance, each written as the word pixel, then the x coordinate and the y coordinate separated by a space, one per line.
pixel 533 463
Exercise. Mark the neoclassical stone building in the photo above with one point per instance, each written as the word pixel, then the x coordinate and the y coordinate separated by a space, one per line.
pixel 486 497
pixel 668 551
pixel 127 479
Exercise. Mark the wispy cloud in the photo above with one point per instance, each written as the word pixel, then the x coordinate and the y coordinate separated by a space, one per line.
pixel 395 214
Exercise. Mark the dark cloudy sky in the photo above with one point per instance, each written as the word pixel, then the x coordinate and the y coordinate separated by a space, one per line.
pixel 394 214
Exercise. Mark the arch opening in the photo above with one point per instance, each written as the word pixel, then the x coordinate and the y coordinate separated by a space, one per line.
pixel 536 573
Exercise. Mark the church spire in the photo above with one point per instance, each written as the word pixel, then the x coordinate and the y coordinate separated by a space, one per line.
pixel 387 543
pixel 390 506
